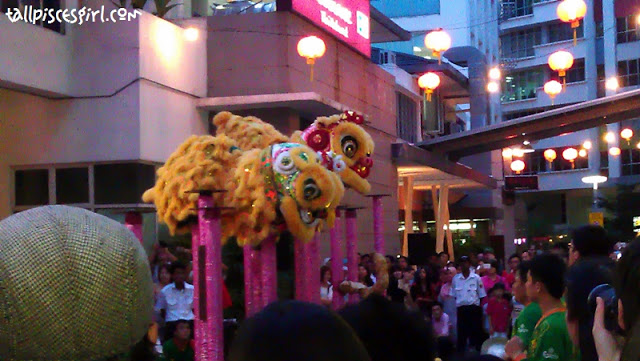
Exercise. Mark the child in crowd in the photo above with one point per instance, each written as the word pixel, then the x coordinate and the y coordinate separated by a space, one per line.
pixel 179 348
pixel 440 321
pixel 499 311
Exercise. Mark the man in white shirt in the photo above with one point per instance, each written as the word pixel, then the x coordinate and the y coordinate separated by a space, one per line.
pixel 468 290
pixel 175 301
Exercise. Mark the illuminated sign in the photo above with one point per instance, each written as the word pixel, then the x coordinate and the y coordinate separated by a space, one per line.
pixel 347 20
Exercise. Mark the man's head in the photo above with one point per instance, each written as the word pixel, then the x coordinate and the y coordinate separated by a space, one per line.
pixel 493 270
pixel 183 330
pixel 526 256
pixel 480 257
pixel 443 258
pixel 397 272
pixel 546 277
pixel 489 255
pixel 178 273
pixel 519 285
pixel 436 310
pixel 465 263
pixel 403 262
pixel 514 262
pixel 589 241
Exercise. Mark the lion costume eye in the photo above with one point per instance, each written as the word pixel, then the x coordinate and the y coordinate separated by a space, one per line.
pixel 349 146
pixel 284 164
pixel 311 190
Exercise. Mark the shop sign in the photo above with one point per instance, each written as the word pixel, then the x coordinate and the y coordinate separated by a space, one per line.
pixel 521 183
pixel 347 20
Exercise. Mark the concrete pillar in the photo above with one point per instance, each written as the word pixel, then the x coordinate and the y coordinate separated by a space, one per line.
pixel 590 66
pixel 611 70
pixel 478 92
pixel 408 214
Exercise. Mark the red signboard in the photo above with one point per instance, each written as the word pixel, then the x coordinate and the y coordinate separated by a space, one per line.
pixel 347 20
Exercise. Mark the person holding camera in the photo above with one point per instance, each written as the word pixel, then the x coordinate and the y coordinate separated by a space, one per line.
pixel 627 288
pixel 550 339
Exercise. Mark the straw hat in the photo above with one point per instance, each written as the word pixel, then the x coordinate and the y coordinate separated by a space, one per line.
pixel 74 285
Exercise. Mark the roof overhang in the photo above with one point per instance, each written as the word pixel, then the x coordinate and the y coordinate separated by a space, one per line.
pixel 384 30
pixel 307 103
pixel 429 169
pixel 551 123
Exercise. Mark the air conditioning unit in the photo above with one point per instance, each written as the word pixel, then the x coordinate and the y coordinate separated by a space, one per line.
pixel 387 57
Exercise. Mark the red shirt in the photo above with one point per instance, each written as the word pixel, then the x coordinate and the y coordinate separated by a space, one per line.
pixel 509 277
pixel 499 310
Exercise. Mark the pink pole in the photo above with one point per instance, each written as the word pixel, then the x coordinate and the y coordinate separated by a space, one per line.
pixel 313 271
pixel 210 237
pixel 337 274
pixel 352 251
pixel 377 225
pixel 299 269
pixel 252 281
pixel 133 221
pixel 200 331
pixel 269 271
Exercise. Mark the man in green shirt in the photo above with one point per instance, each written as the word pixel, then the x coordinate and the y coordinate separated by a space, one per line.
pixel 529 316
pixel 550 339
pixel 179 347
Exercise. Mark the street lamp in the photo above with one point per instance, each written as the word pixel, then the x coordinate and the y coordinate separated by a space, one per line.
pixel 311 48
pixel 595 180
pixel 438 41
pixel 572 11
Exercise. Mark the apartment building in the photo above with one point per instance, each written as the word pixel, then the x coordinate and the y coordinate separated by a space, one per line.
pixel 607 46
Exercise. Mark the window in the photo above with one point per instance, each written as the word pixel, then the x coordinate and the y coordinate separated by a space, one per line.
pixel 562 31
pixel 602 91
pixel 629 73
pixel 519 44
pixel 630 160
pixel 72 185
pixel 627 28
pixel 599 29
pixel 431 115
pixel 515 8
pixel 46 22
pixel 574 75
pixel 407 118
pixel 536 163
pixel 522 85
pixel 122 183
pixel 31 187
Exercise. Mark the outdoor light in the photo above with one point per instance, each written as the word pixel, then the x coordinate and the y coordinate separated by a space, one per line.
pixel 494 74
pixel 627 134
pixel 527 148
pixel 609 137
pixel 507 153
pixel 552 88
pixel 311 48
pixel 638 145
pixel 550 155
pixel 561 61
pixel 572 11
pixel 517 166
pixel 595 180
pixel 586 144
pixel 612 84
pixel 493 87
pixel 582 153
pixel 614 151
pixel 429 82
pixel 438 41
pixel 191 34
pixel 570 154
pixel 518 153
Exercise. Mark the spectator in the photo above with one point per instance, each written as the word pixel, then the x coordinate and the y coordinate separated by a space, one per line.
pixel 178 348
pixel 509 276
pixel 160 255
pixel 489 255
pixel 422 293
pixel 176 300
pixel 326 289
pixel 589 241
pixel 364 276
pixel 164 278
pixel 403 262
pixel 440 321
pixel 491 278
pixel 550 340
pixel 388 331
pixel 526 256
pixel 583 277
pixel 468 290
pixel 449 302
pixel 626 281
pixel 294 330
pixel 527 318
pixel 443 259
pixel 499 311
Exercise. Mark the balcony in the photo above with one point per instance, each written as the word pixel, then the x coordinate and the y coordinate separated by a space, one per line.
pixel 540 11
pixel 574 93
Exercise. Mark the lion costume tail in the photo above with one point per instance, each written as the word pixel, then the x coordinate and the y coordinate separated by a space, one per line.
pixel 248 132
